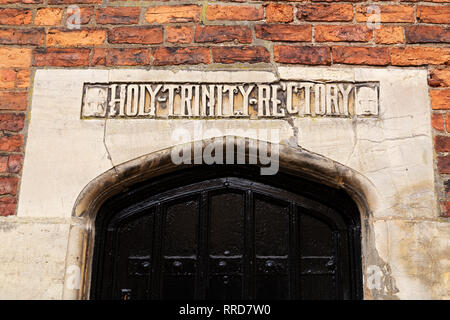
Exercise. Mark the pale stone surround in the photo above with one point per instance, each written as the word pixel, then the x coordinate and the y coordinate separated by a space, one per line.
pixel 390 156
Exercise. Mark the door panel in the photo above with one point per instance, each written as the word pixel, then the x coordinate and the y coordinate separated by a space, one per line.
pixel 225 238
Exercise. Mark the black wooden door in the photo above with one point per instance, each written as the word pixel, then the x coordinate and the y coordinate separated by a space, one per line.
pixel 221 235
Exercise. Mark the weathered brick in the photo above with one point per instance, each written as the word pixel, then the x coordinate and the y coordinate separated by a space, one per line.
pixel 66 37
pixel 440 98
pixel 437 121
pixel 16 17
pixel 23 78
pixel 426 34
pixel 179 34
pixel 240 54
pixel 389 35
pixel 11 142
pixel 276 12
pixel 21 1
pixel 48 17
pixel 417 56
pixel 74 1
pixel 218 34
pixel 8 206
pixel 361 33
pixel 13 100
pixel 282 32
pixel 4 163
pixel 98 57
pixel 139 35
pixel 361 55
pixel 439 77
pixel 433 14
pixel 117 15
pixel 445 208
pixel 127 57
pixel 176 55
pixel 236 13
pixel 388 13
pixel 12 121
pixel 302 55
pixel 22 36
pixel 442 143
pixel 325 12
pixel 447 122
pixel 7 78
pixel 173 14
pixel 15 57
pixel 8 185
pixel 443 164
pixel 15 163
pixel 86 13
pixel 60 57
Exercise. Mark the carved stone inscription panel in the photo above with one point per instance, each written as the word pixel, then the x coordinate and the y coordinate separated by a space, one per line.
pixel 246 100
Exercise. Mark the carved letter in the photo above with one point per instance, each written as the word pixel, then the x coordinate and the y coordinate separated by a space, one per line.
pixel 186 100
pixel 345 94
pixel 332 99
pixel 231 91
pixel 290 87
pixel 171 88
pixel 245 95
pixel 120 100
pixel 132 100
pixel 208 100
pixel 263 100
pixel 275 101
pixel 319 99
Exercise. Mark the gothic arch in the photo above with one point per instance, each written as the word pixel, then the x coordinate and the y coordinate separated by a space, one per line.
pixel 293 160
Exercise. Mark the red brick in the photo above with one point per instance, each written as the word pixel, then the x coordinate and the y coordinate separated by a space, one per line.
pixel 15 57
pixel 85 15
pixel 425 34
pixel 361 55
pixel 447 122
pixel 443 164
pixel 445 209
pixel 117 15
pixel 12 121
pixel 15 163
pixel 440 99
pixel 177 55
pixel 218 34
pixel 389 35
pixel 173 14
pixel 8 206
pixel 74 1
pixel 302 55
pixel 8 185
pixel 22 36
pixel 240 54
pixel 127 57
pixel 13 100
pixel 23 78
pixel 179 34
pixel 388 13
pixel 7 78
pixel 4 163
pixel 433 14
pixel 276 12
pixel 69 38
pixel 48 17
pixel 439 77
pixel 325 33
pixel 139 35
pixel 325 12
pixel 11 142
pixel 442 143
pixel 61 57
pixel 417 56
pixel 437 121
pixel 236 13
pixel 16 17
pixel 98 57
pixel 282 32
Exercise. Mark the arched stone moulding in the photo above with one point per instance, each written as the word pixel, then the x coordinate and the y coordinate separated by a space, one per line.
pixel 295 160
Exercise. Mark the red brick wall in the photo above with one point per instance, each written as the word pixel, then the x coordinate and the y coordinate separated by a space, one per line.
pixel 34 34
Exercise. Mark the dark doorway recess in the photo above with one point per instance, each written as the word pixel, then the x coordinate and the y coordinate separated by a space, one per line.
pixel 226 232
